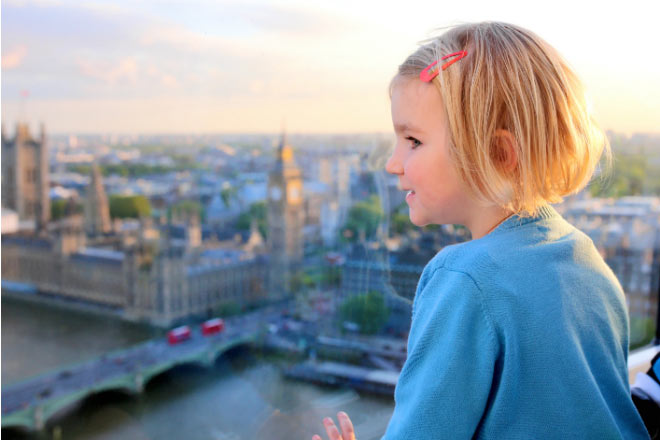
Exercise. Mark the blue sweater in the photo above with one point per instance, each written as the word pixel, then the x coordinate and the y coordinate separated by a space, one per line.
pixel 521 334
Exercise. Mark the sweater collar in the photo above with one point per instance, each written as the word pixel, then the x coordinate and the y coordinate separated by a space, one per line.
pixel 544 212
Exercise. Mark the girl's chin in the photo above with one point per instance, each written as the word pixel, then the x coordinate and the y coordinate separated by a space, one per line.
pixel 417 221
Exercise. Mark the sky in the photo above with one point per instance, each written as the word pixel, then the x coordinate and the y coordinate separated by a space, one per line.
pixel 197 66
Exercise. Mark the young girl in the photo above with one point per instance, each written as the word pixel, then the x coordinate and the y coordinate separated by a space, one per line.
pixel 522 332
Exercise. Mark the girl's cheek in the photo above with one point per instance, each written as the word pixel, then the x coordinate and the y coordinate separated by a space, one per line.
pixel 412 166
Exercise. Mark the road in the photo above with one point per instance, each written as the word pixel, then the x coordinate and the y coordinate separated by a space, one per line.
pixel 87 375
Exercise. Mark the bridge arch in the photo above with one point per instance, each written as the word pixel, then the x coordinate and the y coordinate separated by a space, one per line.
pixel 205 359
pixel 21 424
pixel 217 354
pixel 155 374
pixel 35 416
pixel 17 431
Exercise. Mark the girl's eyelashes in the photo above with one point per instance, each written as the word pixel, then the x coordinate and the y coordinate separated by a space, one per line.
pixel 415 142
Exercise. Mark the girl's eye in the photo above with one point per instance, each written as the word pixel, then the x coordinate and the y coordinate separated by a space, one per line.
pixel 415 142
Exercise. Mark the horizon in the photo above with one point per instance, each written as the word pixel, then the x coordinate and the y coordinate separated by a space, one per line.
pixel 34 128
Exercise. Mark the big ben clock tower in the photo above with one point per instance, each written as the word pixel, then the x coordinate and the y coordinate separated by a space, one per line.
pixel 285 219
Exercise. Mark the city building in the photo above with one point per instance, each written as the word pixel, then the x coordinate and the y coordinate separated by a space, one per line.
pixel 170 281
pixel 25 176
pixel 626 232
pixel 285 219
pixel 96 207
pixel 371 267
pixel 155 278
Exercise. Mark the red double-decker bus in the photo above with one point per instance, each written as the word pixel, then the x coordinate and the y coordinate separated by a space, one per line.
pixel 178 334
pixel 213 326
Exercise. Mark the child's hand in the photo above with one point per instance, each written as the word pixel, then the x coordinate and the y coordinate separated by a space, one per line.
pixel 347 432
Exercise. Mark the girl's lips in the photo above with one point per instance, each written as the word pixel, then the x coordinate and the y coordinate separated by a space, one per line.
pixel 410 195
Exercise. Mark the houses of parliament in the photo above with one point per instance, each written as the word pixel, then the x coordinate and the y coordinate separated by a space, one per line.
pixel 147 274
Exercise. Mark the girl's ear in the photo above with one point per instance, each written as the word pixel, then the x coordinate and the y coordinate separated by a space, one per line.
pixel 505 150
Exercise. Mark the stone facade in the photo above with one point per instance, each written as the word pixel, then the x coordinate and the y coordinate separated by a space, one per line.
pixel 396 282
pixel 54 267
pixel 97 210
pixel 159 281
pixel 627 234
pixel 25 175
pixel 285 220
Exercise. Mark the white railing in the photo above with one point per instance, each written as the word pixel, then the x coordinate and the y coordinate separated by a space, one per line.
pixel 639 360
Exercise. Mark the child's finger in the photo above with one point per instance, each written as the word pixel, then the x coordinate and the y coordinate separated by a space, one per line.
pixel 346 425
pixel 316 437
pixel 331 429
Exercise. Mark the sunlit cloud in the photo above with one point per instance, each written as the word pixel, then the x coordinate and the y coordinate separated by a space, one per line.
pixel 125 69
pixel 13 58
pixel 292 20
pixel 169 81
pixel 166 79
pixel 257 86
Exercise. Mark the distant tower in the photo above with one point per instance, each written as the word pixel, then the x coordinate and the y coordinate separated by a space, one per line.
pixel 285 218
pixel 97 211
pixel 25 176
pixel 255 243
pixel 70 235
pixel 193 232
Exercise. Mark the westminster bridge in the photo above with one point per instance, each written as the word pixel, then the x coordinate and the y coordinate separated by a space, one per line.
pixel 31 403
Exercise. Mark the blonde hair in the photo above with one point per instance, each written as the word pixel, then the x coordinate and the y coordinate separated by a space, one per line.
pixel 512 80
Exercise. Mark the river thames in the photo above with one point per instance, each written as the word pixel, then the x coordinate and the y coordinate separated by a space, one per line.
pixel 243 396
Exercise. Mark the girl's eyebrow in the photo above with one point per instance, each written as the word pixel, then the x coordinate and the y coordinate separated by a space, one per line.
pixel 405 127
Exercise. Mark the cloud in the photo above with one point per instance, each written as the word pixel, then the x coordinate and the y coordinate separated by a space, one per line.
pixel 96 50
pixel 244 18
pixel 14 57
pixel 256 86
pixel 294 21
pixel 125 69
pixel 169 80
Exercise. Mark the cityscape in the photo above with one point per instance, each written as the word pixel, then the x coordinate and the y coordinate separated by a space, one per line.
pixel 199 239
pixel 299 245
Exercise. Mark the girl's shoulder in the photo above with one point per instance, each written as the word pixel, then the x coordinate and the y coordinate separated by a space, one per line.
pixel 529 245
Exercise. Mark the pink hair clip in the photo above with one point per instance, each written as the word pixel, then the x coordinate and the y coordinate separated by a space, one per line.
pixel 431 71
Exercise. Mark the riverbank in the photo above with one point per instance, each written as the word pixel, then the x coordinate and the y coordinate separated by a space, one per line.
pixel 39 337
pixel 27 293
pixel 243 396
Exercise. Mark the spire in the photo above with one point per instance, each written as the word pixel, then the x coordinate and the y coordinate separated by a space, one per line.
pixel 282 145
pixel 282 140
pixel 97 210
pixel 255 241
pixel 283 137
pixel 284 153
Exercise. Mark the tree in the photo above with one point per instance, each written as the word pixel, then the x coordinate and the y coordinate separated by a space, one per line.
pixel 642 331
pixel 129 206
pixel 63 208
pixel 228 308
pixel 302 281
pixel 363 218
pixel 186 209
pixel 401 223
pixel 58 209
pixel 368 311
pixel 258 213
pixel 627 177
pixel 227 194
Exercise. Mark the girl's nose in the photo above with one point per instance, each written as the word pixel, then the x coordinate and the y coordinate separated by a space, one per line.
pixel 394 165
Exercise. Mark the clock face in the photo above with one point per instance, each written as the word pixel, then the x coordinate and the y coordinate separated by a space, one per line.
pixel 275 193
pixel 294 192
